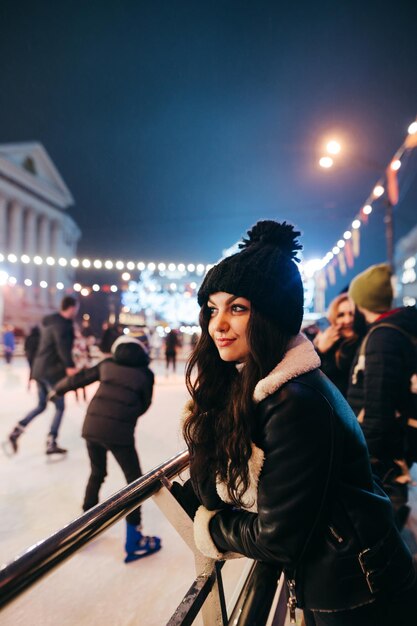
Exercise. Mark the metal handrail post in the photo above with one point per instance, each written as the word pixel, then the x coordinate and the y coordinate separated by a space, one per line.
pixel 213 609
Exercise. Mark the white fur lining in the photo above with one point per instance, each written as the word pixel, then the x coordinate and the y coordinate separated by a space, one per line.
pixel 250 497
pixel 203 539
pixel 202 519
pixel 300 358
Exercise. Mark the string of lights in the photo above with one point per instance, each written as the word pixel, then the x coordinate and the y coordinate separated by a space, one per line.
pixel 84 290
pixel 367 208
pixel 108 264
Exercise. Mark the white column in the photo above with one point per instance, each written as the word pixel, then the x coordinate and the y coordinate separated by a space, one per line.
pixel 16 235
pixel 56 272
pixel 44 243
pixel 3 224
pixel 29 247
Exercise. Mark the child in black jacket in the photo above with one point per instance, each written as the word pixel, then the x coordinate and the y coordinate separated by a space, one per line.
pixel 124 393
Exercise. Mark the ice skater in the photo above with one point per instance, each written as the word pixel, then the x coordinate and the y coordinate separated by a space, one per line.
pixel 52 362
pixel 9 343
pixel 124 393
pixel 171 345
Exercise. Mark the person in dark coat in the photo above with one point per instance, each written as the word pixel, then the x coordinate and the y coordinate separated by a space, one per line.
pixel 31 347
pixel 337 344
pixel 279 468
pixel 53 361
pixel 379 390
pixel 171 345
pixel 124 394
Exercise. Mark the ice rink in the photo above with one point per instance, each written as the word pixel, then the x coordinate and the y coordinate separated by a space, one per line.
pixel 39 496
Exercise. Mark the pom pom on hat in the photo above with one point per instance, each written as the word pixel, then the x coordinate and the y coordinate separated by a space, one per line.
pixel 372 289
pixel 265 272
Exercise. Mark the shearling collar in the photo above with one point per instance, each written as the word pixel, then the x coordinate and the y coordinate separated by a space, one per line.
pixel 300 358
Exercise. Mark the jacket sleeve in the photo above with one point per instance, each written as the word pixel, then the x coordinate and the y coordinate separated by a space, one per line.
pixel 298 444
pixel 80 379
pixel 385 385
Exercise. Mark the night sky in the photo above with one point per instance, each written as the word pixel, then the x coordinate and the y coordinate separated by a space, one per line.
pixel 176 125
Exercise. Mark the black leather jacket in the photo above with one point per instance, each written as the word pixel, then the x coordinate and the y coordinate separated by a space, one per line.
pixel 320 516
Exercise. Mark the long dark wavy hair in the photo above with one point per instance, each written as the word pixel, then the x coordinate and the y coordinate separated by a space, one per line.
pixel 218 429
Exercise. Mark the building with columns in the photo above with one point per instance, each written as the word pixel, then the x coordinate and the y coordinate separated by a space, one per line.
pixel 34 222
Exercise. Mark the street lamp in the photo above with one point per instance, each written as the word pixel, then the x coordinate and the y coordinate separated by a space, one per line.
pixel 333 148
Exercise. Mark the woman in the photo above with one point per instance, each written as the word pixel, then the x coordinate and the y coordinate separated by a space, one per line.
pixel 337 345
pixel 279 467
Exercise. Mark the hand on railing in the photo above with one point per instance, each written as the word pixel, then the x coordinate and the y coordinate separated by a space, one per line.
pixel 185 495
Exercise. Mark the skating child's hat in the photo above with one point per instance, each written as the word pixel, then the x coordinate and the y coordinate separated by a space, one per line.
pixel 265 272
pixel 372 289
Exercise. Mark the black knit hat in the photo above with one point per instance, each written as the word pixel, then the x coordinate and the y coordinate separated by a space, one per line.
pixel 265 272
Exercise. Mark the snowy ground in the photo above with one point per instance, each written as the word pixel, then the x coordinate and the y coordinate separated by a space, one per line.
pixel 39 496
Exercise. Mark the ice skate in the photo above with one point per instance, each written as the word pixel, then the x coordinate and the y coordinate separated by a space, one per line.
pixel 10 445
pixel 138 546
pixel 52 447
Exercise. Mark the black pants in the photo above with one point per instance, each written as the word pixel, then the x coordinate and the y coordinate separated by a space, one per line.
pixel 400 610
pixel 171 357
pixel 126 457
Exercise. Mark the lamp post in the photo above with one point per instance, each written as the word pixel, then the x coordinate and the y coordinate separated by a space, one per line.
pixel 333 148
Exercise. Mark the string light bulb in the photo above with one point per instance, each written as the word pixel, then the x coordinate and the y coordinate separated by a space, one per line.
pixel 412 129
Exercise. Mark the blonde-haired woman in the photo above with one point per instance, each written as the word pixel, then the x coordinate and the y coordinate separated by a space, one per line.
pixel 337 345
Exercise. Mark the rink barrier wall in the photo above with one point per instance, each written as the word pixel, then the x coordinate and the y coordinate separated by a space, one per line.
pixel 259 596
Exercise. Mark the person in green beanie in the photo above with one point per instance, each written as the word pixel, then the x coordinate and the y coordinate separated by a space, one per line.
pixel 379 389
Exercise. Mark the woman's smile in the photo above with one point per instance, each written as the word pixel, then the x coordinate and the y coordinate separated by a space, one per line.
pixel 223 341
pixel 229 317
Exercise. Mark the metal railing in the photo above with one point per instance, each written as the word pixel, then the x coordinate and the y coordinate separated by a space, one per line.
pixel 44 556
pixel 255 598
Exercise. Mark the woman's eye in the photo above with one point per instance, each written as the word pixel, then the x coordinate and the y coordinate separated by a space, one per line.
pixel 238 308
pixel 211 311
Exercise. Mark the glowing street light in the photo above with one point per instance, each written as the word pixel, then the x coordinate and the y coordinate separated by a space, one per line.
pixel 326 162
pixel 333 147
